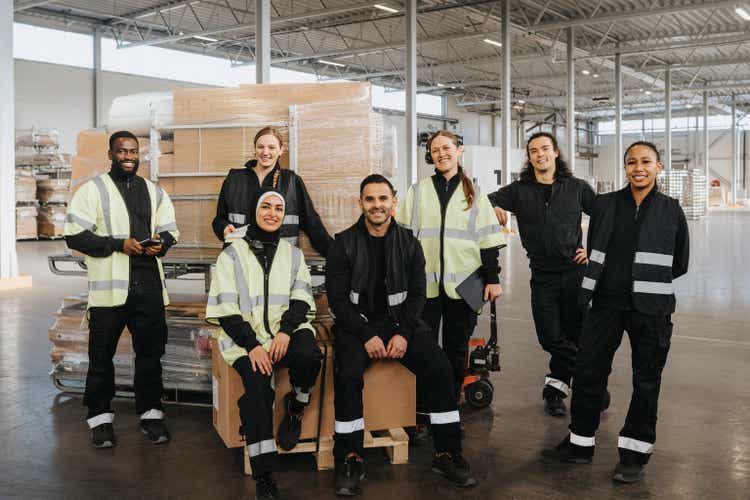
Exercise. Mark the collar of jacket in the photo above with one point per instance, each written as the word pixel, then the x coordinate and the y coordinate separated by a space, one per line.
pixel 362 226
pixel 627 193
pixel 251 164
pixel 453 180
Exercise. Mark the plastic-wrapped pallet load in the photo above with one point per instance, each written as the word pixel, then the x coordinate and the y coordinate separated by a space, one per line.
pixel 687 186
pixel 26 222
pixel 25 185
pixel 91 159
pixel 52 190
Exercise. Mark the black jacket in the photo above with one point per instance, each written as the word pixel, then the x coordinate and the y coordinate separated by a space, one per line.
pixel 237 194
pixel 349 284
pixel 550 231
pixel 661 252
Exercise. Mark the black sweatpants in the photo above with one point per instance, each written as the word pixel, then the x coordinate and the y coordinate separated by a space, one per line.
pixel 459 322
pixel 303 359
pixel 424 358
pixel 143 314
pixel 649 340
pixel 558 320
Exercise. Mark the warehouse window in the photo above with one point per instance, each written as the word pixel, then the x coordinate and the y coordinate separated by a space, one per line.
pixel 386 98
pixel 715 122
pixel 52 46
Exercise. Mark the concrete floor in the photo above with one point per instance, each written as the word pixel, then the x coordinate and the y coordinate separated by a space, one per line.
pixel 702 450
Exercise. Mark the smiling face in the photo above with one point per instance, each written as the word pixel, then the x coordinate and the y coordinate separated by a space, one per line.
pixel 270 213
pixel 267 150
pixel 445 154
pixel 377 203
pixel 642 167
pixel 124 154
pixel 542 154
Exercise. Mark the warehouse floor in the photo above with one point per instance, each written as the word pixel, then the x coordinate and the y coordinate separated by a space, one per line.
pixel 703 446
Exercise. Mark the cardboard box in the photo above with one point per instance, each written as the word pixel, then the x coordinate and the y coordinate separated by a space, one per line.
pixel 389 399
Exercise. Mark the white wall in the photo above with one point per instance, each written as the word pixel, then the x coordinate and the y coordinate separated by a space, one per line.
pixel 61 97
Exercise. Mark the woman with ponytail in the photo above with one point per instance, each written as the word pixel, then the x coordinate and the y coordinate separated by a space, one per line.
pixel 458 230
pixel 264 172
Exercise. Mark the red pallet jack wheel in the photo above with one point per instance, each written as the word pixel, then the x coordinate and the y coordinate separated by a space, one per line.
pixel 484 358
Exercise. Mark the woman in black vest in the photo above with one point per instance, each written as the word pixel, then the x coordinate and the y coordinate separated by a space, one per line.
pixel 233 209
pixel 638 243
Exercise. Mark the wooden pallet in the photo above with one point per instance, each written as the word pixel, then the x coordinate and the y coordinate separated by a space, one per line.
pixel 394 441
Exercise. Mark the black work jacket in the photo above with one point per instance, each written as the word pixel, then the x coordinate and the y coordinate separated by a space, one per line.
pixel 237 193
pixel 662 250
pixel 550 230
pixel 349 284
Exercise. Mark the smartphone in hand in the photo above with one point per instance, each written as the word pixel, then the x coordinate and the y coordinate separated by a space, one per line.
pixel 150 242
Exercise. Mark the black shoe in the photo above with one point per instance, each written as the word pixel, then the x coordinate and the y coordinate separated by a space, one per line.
pixel 155 430
pixel 349 473
pixel 290 426
pixel 554 405
pixel 266 488
pixel 567 453
pixel 454 468
pixel 103 436
pixel 627 473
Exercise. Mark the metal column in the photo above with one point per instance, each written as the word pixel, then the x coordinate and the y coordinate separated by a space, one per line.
pixel 262 41
pixel 618 122
pixel 668 119
pixel 505 89
pixel 8 258
pixel 98 81
pixel 706 144
pixel 570 130
pixel 411 92
pixel 735 155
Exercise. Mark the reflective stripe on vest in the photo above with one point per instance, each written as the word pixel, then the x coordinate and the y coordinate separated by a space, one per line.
pixel 654 259
pixel 223 298
pixel 447 277
pixel 395 299
pixel 236 218
pixel 104 197
pixel 99 286
pixel 292 240
pixel 242 288
pixel 469 234
pixel 81 222
pixel 655 287
pixel 291 220
pixel 172 226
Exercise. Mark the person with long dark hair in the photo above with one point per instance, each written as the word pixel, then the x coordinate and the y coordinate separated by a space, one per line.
pixel 548 201
pixel 638 244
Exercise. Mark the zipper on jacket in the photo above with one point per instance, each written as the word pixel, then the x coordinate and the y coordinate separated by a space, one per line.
pixel 266 272
pixel 443 210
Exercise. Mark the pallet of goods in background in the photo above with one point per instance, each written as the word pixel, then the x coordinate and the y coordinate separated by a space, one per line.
pixel 43 176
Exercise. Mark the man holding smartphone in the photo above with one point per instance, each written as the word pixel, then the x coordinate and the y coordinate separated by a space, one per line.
pixel 123 223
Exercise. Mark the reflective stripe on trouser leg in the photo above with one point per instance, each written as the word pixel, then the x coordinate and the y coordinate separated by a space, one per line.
pixel 153 414
pixel 636 445
pixel 102 418
pixel 261 448
pixel 349 427
pixel 557 384
pixel 301 395
pixel 583 441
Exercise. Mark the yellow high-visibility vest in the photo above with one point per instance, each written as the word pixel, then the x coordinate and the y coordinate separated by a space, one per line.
pixel 99 207
pixel 237 287
pixel 465 232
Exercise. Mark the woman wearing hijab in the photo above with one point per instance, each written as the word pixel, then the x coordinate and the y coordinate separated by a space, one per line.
pixel 235 209
pixel 265 323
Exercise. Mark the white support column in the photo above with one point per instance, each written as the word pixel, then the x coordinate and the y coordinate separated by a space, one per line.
pixel 570 130
pixel 668 119
pixel 505 89
pixel 262 41
pixel 411 93
pixel 8 258
pixel 618 122
pixel 98 81
pixel 706 144
pixel 735 152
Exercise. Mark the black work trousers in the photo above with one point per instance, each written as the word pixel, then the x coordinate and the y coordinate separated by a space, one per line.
pixel 558 320
pixel 649 341
pixel 424 358
pixel 143 314
pixel 459 322
pixel 303 359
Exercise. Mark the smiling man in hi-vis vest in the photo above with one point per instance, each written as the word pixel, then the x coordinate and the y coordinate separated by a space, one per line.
pixel 123 223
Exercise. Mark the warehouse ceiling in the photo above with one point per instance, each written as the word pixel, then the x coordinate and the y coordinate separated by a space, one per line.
pixel 707 44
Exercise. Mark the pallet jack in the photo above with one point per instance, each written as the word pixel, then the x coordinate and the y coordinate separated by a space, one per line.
pixel 484 358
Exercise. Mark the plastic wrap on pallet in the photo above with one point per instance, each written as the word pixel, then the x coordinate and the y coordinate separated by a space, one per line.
pixel 689 187
pixel 53 190
pixel 38 137
pixel 187 358
pixel 137 113
pixel 51 221
pixel 26 222
pixel 25 185
pixel 91 158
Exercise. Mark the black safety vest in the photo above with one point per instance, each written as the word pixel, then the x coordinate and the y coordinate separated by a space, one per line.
pixel 652 291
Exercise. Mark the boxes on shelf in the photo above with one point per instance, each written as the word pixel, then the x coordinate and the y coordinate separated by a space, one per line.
pixel 50 190
pixel 51 221
pixel 25 185
pixel 26 222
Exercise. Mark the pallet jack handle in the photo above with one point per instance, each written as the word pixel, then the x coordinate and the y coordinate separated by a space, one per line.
pixel 493 325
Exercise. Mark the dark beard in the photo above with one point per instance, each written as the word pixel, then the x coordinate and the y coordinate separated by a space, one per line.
pixel 121 172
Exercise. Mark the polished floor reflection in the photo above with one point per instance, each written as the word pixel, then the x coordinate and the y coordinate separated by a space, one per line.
pixel 702 449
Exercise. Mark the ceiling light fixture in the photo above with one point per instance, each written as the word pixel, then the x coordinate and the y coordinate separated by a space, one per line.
pixel 492 42
pixel 331 63
pixel 595 75
pixel 689 106
pixel 205 38
pixel 648 92
pixel 521 101
pixel 586 72
pixel 385 8
pixel 742 12
pixel 440 84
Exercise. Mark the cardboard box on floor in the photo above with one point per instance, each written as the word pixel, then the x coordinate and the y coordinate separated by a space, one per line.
pixel 389 399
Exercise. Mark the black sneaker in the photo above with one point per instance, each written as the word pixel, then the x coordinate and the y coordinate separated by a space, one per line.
pixel 290 426
pixel 455 468
pixel 554 405
pixel 349 473
pixel 155 430
pixel 630 473
pixel 266 488
pixel 568 453
pixel 103 436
